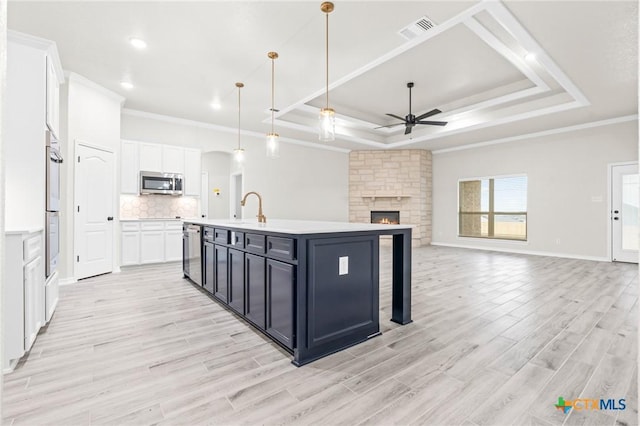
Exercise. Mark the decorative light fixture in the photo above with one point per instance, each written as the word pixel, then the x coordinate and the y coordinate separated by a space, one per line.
pixel 327 115
pixel 273 139
pixel 238 153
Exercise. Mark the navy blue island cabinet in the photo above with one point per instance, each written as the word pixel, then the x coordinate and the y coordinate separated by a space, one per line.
pixel 312 287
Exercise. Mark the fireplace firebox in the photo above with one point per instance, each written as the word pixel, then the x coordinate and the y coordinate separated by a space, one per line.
pixel 388 217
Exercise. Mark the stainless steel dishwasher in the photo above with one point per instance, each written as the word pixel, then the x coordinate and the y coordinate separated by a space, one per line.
pixel 192 253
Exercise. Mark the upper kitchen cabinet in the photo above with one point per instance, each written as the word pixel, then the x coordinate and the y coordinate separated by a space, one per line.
pixel 173 159
pixel 129 170
pixel 53 95
pixel 150 157
pixel 192 172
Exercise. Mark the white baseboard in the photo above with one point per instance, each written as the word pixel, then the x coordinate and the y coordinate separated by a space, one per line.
pixel 67 281
pixel 531 252
pixel 116 270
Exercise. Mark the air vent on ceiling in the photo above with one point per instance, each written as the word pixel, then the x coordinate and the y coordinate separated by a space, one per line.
pixel 417 28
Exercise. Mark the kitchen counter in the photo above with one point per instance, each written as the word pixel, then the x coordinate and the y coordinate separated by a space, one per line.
pixel 311 286
pixel 140 219
pixel 298 227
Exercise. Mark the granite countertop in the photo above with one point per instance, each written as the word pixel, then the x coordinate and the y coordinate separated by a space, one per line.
pixel 297 226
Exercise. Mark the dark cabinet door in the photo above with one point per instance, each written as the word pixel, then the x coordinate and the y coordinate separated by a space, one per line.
pixel 220 285
pixel 280 298
pixel 208 267
pixel 236 280
pixel 255 289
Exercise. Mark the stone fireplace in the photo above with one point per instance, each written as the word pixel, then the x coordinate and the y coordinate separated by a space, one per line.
pixel 393 180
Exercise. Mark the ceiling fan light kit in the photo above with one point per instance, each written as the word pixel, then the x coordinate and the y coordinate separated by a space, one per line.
pixel 327 131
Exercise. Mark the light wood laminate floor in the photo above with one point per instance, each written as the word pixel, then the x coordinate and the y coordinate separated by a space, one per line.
pixel 496 339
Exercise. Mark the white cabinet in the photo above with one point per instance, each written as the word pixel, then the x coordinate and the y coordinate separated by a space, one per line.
pixel 151 246
pixel 129 170
pixel 23 295
pixel 192 174
pixel 173 241
pixel 53 98
pixel 34 309
pixel 150 157
pixel 130 247
pixel 173 159
pixel 150 241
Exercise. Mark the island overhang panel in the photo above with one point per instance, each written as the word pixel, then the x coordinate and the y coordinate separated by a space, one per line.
pixel 310 286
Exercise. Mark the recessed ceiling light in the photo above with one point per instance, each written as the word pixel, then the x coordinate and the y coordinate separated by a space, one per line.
pixel 126 85
pixel 216 105
pixel 138 43
pixel 530 57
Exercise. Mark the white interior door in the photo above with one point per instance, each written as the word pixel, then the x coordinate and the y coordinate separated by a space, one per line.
pixel 94 192
pixel 625 200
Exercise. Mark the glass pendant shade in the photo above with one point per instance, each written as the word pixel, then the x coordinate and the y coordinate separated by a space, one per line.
pixel 273 145
pixel 238 155
pixel 327 125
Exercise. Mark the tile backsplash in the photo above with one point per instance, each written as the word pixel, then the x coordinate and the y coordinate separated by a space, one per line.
pixel 157 206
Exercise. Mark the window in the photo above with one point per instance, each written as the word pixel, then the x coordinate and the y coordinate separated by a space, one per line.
pixel 493 208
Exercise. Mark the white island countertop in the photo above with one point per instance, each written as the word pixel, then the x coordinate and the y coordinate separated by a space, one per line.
pixel 297 226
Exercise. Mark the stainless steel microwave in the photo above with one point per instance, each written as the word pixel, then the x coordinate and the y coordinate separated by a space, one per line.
pixel 160 183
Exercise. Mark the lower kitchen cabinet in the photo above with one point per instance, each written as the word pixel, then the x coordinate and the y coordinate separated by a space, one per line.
pixel 151 246
pixel 236 280
pixel 23 295
pixel 254 268
pixel 220 287
pixel 150 241
pixel 280 278
pixel 208 266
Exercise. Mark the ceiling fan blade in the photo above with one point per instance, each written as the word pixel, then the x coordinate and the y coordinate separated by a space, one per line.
pixel 433 123
pixel 428 114
pixel 389 125
pixel 407 130
pixel 395 116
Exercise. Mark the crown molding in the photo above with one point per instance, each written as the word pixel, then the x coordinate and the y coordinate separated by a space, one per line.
pixel 224 129
pixel 50 47
pixel 558 130
pixel 77 78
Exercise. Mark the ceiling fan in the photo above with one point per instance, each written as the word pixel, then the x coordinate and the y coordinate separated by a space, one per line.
pixel 411 120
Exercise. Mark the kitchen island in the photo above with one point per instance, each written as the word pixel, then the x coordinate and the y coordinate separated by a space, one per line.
pixel 310 286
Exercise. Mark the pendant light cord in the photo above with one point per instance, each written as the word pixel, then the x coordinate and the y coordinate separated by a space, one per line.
pixel 327 54
pixel 273 62
pixel 238 117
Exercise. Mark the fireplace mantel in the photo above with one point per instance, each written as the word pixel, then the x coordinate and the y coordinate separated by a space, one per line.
pixel 373 197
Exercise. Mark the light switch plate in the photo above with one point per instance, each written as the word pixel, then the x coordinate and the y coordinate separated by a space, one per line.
pixel 343 265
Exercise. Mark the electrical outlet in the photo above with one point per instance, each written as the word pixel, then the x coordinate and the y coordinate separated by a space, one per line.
pixel 343 265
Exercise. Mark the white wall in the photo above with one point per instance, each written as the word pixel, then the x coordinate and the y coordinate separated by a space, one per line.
pixel 91 114
pixel 567 176
pixel 304 183
pixel 217 164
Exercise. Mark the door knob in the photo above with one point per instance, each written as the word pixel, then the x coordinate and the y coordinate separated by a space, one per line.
pixel 110 218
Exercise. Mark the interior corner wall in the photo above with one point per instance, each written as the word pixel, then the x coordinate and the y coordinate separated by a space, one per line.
pixel 217 165
pixel 90 115
pixel 568 213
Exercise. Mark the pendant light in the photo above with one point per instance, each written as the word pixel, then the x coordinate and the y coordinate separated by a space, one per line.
pixel 327 115
pixel 238 153
pixel 273 139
